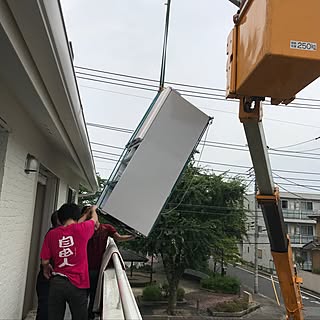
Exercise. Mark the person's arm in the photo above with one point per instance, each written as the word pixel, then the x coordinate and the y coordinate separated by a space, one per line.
pixel 94 216
pixel 90 214
pixel 47 268
pixel 85 215
pixel 118 237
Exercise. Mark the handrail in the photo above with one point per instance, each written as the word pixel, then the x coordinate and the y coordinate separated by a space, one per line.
pixel 114 295
pixel 129 305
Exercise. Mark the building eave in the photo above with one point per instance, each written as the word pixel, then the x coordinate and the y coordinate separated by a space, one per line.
pixel 47 62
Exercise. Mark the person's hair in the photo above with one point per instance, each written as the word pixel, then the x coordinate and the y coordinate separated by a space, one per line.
pixel 54 219
pixel 68 211
pixel 85 208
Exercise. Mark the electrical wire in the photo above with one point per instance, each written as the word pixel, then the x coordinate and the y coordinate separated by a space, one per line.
pixel 292 105
pixel 299 143
pixel 168 82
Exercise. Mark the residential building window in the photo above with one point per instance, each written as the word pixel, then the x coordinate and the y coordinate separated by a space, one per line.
pixel 71 195
pixel 307 230
pixel 259 253
pixel 248 249
pixel 306 205
pixel 284 204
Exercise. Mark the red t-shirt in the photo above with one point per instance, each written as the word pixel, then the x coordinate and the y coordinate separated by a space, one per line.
pixel 97 245
pixel 67 247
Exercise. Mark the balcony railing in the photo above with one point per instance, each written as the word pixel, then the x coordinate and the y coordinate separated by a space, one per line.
pixel 114 296
pixel 300 239
pixel 297 214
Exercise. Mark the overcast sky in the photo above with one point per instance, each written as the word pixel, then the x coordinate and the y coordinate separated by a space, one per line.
pixel 126 36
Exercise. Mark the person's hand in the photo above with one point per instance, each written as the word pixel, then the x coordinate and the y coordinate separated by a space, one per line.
pixel 47 271
pixel 96 225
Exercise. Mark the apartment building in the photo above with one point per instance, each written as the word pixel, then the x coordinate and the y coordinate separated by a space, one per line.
pixel 297 209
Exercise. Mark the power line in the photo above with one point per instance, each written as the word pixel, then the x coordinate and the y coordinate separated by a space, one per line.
pixel 102 126
pixel 106 145
pixel 116 92
pixel 201 95
pixel 299 143
pixel 151 80
pixel 292 105
pixel 169 82
pixel 211 143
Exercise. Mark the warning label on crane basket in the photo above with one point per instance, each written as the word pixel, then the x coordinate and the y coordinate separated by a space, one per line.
pixel 302 45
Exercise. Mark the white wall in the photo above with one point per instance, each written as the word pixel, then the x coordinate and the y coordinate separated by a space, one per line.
pixel 311 281
pixel 17 199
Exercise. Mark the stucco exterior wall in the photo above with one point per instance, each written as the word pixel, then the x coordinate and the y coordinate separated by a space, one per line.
pixel 17 199
pixel 311 281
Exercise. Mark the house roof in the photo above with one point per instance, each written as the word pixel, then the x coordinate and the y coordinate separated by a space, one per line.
pixel 311 245
pixel 130 255
pixel 37 66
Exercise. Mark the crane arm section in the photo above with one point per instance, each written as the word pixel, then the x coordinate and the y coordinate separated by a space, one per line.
pixel 250 114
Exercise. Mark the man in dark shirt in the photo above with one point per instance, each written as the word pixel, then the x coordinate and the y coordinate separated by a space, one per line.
pixel 95 249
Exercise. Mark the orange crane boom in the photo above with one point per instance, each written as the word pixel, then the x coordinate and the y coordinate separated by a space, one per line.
pixel 273 51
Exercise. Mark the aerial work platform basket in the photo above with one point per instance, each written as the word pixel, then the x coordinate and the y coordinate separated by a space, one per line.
pixel 274 49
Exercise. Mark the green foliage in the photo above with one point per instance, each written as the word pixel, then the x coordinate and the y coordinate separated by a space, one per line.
pixel 220 284
pixel 237 305
pixel 85 197
pixel 165 289
pixel 180 294
pixel 204 216
pixel 152 293
pixel 156 293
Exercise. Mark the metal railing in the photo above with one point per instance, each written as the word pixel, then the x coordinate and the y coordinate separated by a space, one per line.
pixel 300 239
pixel 297 214
pixel 114 296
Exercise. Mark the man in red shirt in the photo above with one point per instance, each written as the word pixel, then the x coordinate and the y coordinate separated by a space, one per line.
pixel 96 247
pixel 67 247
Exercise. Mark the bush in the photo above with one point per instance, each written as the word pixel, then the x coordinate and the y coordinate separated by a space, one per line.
pixel 231 306
pixel 220 284
pixel 152 293
pixel 165 292
pixel 180 294
pixel 165 289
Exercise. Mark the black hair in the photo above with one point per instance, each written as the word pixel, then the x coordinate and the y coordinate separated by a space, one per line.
pixel 68 211
pixel 54 219
pixel 85 208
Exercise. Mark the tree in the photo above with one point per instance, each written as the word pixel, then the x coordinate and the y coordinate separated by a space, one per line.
pixel 204 214
pixel 86 197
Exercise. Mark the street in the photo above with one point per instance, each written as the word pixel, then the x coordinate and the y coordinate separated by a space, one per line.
pixel 311 301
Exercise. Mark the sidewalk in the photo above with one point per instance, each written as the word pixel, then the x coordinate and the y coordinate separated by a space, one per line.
pixel 269 310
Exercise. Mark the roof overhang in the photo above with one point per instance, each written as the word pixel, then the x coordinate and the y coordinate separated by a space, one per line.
pixel 37 66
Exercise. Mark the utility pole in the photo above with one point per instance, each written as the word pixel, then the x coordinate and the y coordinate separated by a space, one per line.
pixel 256 238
